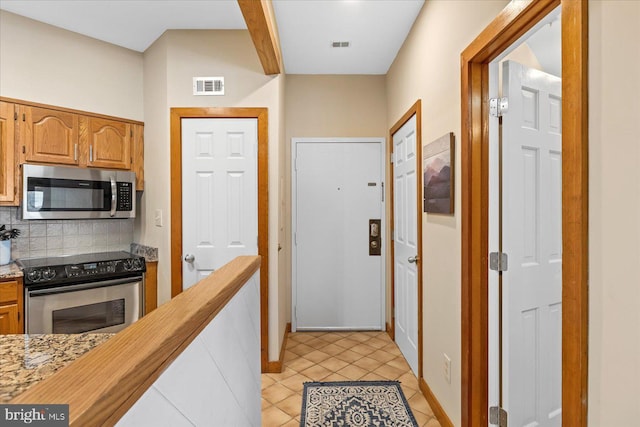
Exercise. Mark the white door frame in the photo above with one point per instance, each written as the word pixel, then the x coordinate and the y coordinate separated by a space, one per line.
pixel 294 201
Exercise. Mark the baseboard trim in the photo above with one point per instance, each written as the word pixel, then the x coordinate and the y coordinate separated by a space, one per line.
pixel 438 411
pixel 275 367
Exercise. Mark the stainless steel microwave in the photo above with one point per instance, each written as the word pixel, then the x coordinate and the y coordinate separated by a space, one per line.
pixel 57 192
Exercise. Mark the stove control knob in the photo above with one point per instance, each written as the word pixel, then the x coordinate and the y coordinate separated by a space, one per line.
pixel 48 274
pixel 137 264
pixel 34 275
pixel 127 264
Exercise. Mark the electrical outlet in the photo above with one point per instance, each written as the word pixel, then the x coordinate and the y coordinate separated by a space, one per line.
pixel 158 217
pixel 446 368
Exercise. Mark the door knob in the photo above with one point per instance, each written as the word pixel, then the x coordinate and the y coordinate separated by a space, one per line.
pixel 413 259
pixel 189 258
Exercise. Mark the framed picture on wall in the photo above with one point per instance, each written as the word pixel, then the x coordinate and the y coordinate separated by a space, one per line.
pixel 438 173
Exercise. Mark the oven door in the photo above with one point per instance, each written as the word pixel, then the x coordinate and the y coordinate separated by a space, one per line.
pixel 107 306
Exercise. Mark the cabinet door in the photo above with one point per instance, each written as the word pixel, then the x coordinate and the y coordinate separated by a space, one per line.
pixel 9 323
pixel 7 154
pixel 11 303
pixel 138 155
pixel 109 143
pixel 49 136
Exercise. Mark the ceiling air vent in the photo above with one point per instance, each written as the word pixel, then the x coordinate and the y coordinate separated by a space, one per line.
pixel 208 85
pixel 340 44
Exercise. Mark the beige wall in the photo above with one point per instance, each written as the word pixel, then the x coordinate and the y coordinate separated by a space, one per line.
pixel 614 213
pixel 169 66
pixel 323 106
pixel 42 63
pixel 428 68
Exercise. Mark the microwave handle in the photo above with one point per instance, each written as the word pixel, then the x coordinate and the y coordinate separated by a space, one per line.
pixel 114 196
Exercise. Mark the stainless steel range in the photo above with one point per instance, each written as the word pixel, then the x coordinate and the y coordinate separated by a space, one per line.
pixel 99 292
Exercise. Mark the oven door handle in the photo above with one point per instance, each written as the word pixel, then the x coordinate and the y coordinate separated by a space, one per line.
pixel 82 286
pixel 114 196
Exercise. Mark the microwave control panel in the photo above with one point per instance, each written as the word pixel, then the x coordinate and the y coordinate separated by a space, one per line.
pixel 125 196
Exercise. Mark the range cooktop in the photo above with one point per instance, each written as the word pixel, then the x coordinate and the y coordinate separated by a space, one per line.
pixel 80 268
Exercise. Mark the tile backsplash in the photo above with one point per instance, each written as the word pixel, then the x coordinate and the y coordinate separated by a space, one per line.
pixel 39 238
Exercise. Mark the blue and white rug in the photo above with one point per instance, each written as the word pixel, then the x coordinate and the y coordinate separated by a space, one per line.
pixel 355 403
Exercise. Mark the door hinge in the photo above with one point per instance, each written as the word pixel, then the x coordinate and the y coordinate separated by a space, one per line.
pixel 15 116
pixel 498 261
pixel 498 106
pixel 131 133
pixel 392 234
pixel 393 157
pixel 498 416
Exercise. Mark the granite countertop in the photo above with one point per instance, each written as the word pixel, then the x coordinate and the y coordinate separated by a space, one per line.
pixel 28 359
pixel 149 253
pixel 10 271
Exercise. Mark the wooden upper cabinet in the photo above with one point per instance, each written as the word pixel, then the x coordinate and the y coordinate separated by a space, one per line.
pixel 7 154
pixel 38 133
pixel 109 143
pixel 49 136
pixel 137 157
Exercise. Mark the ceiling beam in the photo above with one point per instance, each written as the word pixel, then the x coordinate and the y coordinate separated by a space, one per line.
pixel 261 24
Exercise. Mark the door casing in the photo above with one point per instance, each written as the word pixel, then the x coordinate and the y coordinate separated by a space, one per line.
pixel 261 114
pixel 415 109
pixel 515 20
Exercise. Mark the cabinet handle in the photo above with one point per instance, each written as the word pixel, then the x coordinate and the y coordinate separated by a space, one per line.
pixel 18 316
pixel 75 152
pixel 91 153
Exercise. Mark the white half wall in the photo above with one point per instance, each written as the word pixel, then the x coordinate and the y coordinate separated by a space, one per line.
pixel 216 379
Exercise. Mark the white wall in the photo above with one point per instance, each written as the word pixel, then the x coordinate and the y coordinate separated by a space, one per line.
pixel 216 379
pixel 428 68
pixel 614 213
pixel 45 64
pixel 169 66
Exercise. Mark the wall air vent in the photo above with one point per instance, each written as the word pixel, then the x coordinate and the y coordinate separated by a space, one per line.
pixel 340 44
pixel 208 85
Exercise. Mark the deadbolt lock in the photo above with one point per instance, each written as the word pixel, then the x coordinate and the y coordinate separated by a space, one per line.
pixel 375 238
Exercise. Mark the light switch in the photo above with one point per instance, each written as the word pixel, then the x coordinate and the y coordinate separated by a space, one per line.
pixel 158 217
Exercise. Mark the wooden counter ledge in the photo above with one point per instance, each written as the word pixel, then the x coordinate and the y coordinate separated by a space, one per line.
pixel 102 385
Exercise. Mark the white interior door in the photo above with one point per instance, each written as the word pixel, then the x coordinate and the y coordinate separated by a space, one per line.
pixel 405 242
pixel 532 238
pixel 219 194
pixel 337 190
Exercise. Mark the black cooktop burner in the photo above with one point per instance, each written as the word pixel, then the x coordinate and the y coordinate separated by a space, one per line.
pixel 71 269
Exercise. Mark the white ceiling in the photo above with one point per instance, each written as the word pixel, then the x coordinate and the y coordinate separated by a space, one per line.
pixel 375 28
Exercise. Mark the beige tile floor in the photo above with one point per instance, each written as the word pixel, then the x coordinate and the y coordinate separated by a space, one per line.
pixel 337 356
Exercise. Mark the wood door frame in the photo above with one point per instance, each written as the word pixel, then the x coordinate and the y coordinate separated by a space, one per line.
pixel 415 109
pixel 509 25
pixel 261 114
